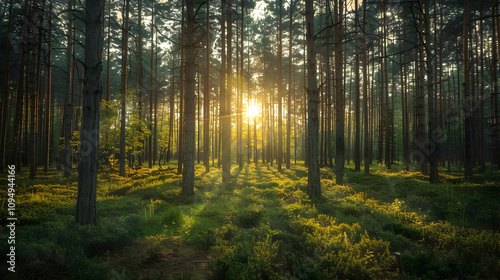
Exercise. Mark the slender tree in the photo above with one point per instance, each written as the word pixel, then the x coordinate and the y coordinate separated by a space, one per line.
pixel 432 145
pixel 139 78
pixel 48 100
pixel 124 88
pixel 206 98
pixel 357 132
pixel 190 105
pixel 313 180
pixel 339 96
pixel 290 85
pixel 5 93
pixel 280 88
pixel 151 102
pixel 226 114
pixel 466 99
pixel 67 133
pixel 366 147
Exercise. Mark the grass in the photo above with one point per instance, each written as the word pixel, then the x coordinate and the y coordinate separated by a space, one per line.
pixel 260 226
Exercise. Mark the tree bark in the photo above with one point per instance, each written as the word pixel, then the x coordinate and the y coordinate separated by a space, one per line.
pixel 67 132
pixel 5 93
pixel 280 90
pixel 339 97
pixel 124 88
pixel 190 105
pixel 86 208
pixel 226 115
pixel 206 99
pixel 432 144
pixel 357 132
pixel 313 180
pixel 366 140
pixel 48 102
pixel 466 103
pixel 151 102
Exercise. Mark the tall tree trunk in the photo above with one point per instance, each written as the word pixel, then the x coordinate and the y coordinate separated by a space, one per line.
pixel 421 137
pixel 124 88
pixel 387 116
pixel 48 102
pixel 466 104
pixel 171 116
pixel 405 106
pixel 328 82
pixel 151 64
pixel 180 143
pixel 139 79
pixel 5 94
pixel 222 98
pixel 155 122
pixel 226 121
pixel 190 105
pixel 313 180
pixel 15 155
pixel 33 87
pixel 206 99
pixel 366 147
pixel 357 132
pixel 67 132
pixel 86 206
pixel 240 90
pixel 495 115
pixel 290 85
pixel 339 97
pixel 108 56
pixel 280 90
pixel 432 145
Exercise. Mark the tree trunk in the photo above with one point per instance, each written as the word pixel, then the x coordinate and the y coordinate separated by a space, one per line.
pixel 206 99
pixel 280 90
pixel 466 104
pixel 339 97
pixel 226 115
pixel 33 87
pixel 357 132
pixel 67 132
pixel 290 85
pixel 48 102
pixel 124 88
pixel 5 94
pixel 190 105
pixel 432 145
pixel 151 102
pixel 155 122
pixel 313 181
pixel 366 148
pixel 180 143
pixel 171 116
pixel 139 79
pixel 86 208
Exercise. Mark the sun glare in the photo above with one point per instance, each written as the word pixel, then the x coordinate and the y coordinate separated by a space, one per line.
pixel 252 109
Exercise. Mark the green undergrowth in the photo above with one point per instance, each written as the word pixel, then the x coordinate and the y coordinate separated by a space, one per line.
pixel 261 225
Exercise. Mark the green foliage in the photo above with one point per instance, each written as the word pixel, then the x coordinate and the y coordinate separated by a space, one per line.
pixel 261 226
pixel 249 218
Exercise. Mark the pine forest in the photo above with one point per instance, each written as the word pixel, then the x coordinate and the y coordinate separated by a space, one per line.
pixel 249 139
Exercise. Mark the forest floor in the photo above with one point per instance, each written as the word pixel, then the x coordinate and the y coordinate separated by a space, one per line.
pixel 260 226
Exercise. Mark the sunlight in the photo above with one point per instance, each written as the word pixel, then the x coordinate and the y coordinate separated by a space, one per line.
pixel 252 109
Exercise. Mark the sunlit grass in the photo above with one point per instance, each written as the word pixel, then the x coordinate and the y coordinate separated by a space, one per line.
pixel 264 225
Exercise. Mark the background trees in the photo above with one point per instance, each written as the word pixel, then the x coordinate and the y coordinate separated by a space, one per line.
pixel 401 80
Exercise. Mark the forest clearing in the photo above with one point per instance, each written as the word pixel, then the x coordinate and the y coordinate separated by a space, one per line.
pixel 262 225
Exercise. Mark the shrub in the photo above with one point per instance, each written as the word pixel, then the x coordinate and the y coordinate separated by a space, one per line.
pixel 249 218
